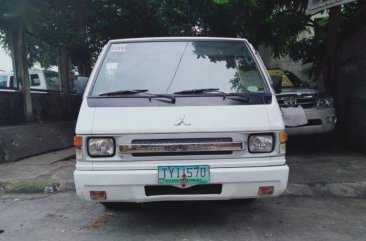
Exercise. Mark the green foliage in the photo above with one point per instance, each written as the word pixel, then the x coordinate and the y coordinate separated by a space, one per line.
pixel 85 26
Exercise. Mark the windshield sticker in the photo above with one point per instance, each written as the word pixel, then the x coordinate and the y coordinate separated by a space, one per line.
pixel 111 66
pixel 119 48
pixel 253 88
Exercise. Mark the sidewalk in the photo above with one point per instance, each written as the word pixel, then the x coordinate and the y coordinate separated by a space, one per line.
pixel 33 174
pixel 314 171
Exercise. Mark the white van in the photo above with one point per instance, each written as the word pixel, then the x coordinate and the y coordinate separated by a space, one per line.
pixel 165 119
pixel 38 80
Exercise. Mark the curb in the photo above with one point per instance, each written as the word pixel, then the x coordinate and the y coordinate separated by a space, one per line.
pixel 39 184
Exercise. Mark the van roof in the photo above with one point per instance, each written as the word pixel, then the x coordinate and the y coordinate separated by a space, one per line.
pixel 155 39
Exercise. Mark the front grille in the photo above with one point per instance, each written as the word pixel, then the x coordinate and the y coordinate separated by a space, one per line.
pixel 304 101
pixel 181 146
pixel 181 140
pixel 194 190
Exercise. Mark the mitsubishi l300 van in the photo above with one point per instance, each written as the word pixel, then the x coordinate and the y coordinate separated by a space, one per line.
pixel 167 119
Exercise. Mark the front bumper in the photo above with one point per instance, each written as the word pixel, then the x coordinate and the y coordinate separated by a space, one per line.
pixel 320 121
pixel 129 185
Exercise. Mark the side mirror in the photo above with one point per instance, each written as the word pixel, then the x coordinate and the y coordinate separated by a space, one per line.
pixel 80 84
pixel 277 83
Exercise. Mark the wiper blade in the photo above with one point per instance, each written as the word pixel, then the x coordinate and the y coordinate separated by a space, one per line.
pixel 142 91
pixel 154 96
pixel 123 92
pixel 233 96
pixel 196 91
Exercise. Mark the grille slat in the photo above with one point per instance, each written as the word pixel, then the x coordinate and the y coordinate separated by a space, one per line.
pixel 181 146
pixel 181 140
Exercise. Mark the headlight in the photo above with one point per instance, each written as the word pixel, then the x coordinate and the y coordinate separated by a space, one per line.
pixel 101 147
pixel 261 143
pixel 324 103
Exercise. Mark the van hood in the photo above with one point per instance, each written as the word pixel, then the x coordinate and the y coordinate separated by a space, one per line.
pixel 132 120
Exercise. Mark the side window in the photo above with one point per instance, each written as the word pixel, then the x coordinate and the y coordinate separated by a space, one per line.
pixel 52 79
pixel 34 80
pixel 3 80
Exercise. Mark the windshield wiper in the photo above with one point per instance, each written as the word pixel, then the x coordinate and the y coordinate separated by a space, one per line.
pixel 234 96
pixel 155 96
pixel 196 91
pixel 123 92
pixel 133 92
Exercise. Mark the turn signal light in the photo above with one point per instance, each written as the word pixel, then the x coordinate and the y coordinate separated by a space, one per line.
pixel 78 141
pixel 266 190
pixel 98 195
pixel 283 137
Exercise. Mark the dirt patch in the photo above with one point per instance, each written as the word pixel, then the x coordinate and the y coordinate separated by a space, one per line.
pixel 99 221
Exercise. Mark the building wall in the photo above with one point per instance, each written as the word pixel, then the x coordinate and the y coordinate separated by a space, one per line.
pixel 352 88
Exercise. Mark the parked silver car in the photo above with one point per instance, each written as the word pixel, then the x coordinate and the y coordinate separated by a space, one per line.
pixel 318 109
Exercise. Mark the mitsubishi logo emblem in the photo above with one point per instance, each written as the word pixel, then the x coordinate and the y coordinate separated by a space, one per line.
pixel 183 121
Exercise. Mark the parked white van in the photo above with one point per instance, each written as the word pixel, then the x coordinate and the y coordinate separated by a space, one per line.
pixel 166 119
pixel 38 80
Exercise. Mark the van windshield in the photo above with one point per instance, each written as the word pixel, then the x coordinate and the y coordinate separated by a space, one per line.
pixel 171 67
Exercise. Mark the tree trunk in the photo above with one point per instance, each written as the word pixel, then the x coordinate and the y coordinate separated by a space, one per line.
pixel 63 73
pixel 332 56
pixel 84 65
pixel 63 69
pixel 20 65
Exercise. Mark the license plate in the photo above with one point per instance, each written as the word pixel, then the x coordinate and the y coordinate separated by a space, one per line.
pixel 183 174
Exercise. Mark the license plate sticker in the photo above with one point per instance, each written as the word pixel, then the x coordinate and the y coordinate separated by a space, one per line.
pixel 183 174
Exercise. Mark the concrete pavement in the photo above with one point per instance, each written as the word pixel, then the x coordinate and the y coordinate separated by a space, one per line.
pixel 63 216
pixel 33 174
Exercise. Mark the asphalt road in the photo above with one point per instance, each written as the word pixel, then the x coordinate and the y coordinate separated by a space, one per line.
pixel 63 216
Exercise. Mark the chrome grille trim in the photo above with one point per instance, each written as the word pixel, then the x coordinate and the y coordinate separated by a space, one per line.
pixel 304 101
pixel 181 147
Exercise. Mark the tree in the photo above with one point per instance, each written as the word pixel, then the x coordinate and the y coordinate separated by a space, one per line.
pixel 83 27
pixel 14 19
